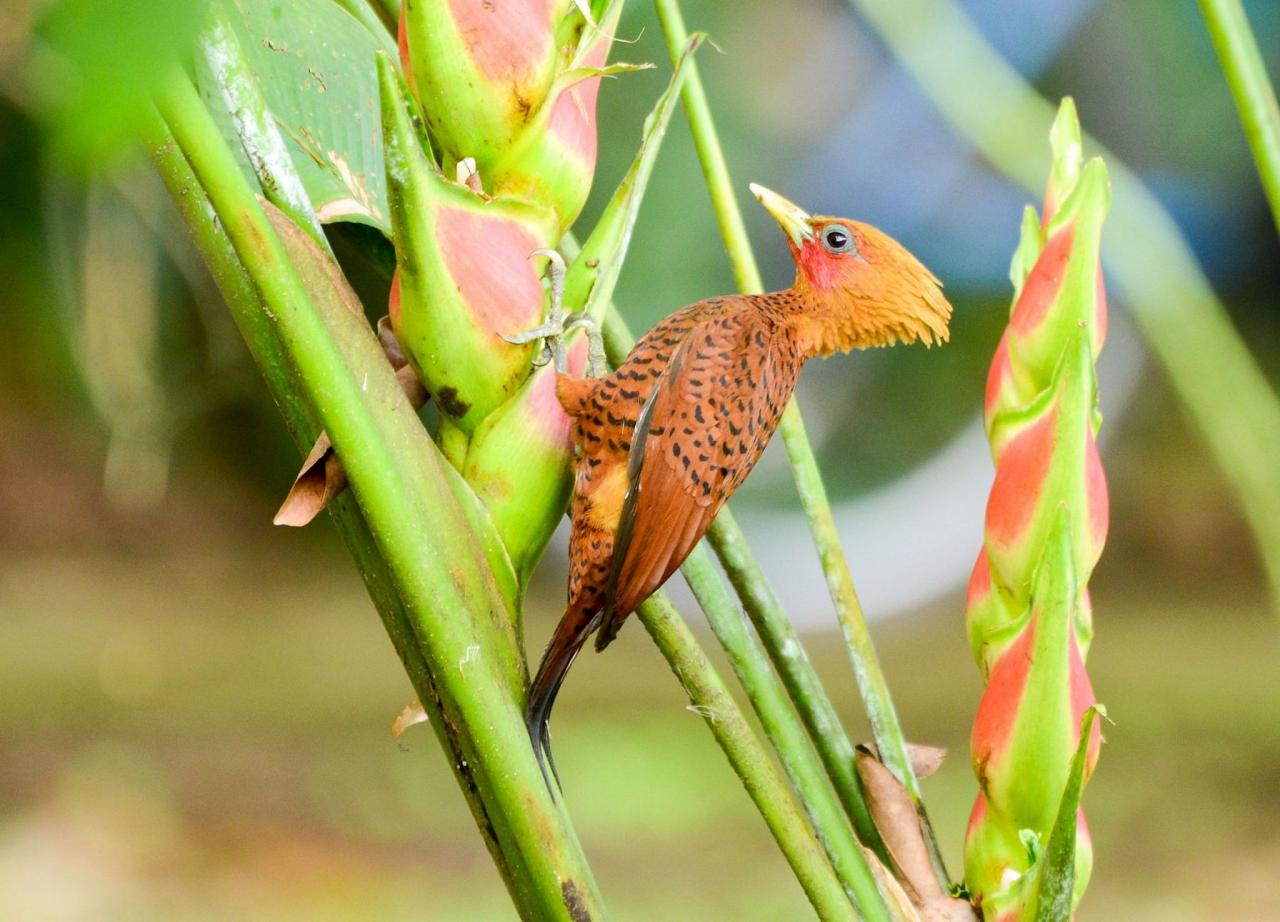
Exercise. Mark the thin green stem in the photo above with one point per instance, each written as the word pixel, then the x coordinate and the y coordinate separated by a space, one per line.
pixel 990 105
pixel 792 662
pixel 769 699
pixel 714 703
pixel 1255 97
pixel 416 525
pixel 884 719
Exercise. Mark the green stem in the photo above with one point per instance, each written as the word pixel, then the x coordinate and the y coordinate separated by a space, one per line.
pixel 1255 98
pixel 885 727
pixel 785 732
pixel 875 695
pixel 990 105
pixel 237 290
pixel 714 703
pixel 418 529
pixel 793 664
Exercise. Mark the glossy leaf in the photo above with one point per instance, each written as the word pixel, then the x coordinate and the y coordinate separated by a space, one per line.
pixel 315 64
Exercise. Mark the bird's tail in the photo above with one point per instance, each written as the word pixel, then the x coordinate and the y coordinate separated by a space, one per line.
pixel 572 632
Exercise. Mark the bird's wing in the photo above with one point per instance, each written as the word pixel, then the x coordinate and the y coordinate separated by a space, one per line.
pixel 706 424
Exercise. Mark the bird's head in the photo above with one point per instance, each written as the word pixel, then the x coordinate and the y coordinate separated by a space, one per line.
pixel 863 286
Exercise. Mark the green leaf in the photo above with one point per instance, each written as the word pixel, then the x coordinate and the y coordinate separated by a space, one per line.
pixel 1056 874
pixel 1030 243
pixel 315 65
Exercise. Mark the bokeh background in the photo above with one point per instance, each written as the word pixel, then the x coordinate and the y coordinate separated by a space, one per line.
pixel 195 706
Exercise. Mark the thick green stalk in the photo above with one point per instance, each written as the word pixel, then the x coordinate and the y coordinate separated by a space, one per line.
pixel 237 290
pixel 1255 97
pixel 714 703
pixel 419 531
pixel 784 731
pixel 990 105
pixel 884 719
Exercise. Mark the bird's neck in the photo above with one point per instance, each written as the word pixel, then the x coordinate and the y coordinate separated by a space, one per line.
pixel 820 324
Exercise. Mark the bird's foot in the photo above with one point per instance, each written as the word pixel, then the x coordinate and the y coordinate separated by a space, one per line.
pixel 560 323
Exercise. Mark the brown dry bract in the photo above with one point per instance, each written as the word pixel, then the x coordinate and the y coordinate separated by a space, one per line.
pixel 322 477
pixel 896 818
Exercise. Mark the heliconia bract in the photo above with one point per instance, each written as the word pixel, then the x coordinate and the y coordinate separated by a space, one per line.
pixel 1028 612
pixel 490 138
pixel 512 86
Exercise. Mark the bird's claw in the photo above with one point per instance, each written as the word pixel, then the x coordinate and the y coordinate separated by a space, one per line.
pixel 560 323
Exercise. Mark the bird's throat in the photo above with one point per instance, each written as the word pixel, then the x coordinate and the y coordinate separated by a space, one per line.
pixel 824 323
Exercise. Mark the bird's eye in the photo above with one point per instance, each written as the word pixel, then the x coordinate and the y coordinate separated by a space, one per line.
pixel 837 239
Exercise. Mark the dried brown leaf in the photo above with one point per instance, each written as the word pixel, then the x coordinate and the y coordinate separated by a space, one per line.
pixel 948 909
pixel 413 713
pixel 322 477
pixel 899 824
pixel 925 760
pixel 320 480
pixel 895 897
pixel 895 816
pixel 390 345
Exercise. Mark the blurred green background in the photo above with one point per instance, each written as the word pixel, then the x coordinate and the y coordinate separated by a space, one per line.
pixel 195 707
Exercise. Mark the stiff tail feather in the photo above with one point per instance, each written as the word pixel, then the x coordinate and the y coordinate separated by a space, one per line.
pixel 566 643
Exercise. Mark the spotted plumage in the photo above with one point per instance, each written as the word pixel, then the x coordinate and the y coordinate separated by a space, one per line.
pixel 666 439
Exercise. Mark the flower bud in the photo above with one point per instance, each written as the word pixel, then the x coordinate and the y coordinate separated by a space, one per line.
pixel 1028 613
pixel 465 278
pixel 554 158
pixel 480 69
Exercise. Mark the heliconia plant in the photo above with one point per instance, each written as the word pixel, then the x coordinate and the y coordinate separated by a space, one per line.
pixel 471 248
pixel 488 138
pixel 1028 612
pixel 512 86
pixel 495 169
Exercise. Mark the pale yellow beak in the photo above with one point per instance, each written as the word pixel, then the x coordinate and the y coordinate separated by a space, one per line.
pixel 793 219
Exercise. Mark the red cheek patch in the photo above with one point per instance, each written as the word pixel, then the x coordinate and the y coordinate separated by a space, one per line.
pixel 818 266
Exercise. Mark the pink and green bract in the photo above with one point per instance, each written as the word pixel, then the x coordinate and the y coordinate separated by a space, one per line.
pixel 1028 612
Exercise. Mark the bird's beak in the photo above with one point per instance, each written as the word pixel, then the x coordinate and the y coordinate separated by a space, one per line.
pixel 790 217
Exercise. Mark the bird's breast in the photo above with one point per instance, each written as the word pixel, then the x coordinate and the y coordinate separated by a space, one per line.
pixel 603 490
